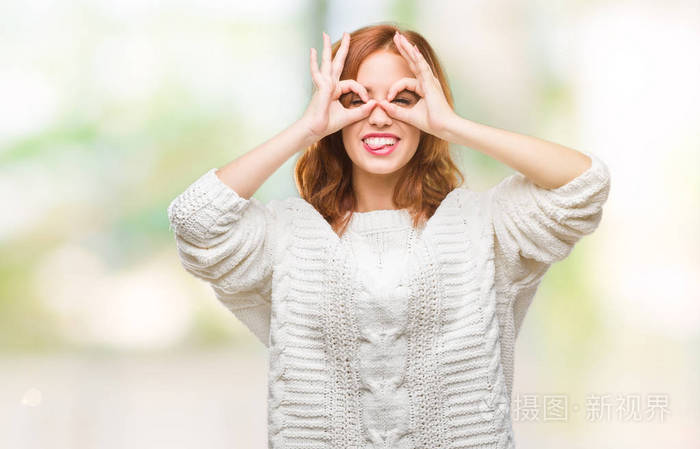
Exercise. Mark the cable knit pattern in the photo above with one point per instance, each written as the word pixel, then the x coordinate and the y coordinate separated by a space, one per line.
pixel 382 244
pixel 389 336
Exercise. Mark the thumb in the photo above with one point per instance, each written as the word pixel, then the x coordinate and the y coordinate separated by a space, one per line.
pixel 395 111
pixel 363 111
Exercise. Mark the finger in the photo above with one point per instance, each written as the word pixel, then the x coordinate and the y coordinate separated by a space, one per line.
pixel 339 59
pixel 326 57
pixel 314 67
pixel 421 63
pixel 363 111
pixel 400 42
pixel 346 86
pixel 411 84
pixel 395 111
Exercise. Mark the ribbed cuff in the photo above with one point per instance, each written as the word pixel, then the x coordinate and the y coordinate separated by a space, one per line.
pixel 596 175
pixel 206 199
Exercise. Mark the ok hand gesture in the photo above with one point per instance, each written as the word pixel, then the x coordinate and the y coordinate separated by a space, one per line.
pixel 432 113
pixel 325 114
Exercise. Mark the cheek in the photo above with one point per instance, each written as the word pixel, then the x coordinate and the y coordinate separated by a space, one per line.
pixel 351 143
pixel 412 138
pixel 348 132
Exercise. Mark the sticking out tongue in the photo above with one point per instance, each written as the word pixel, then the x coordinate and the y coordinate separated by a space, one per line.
pixel 380 146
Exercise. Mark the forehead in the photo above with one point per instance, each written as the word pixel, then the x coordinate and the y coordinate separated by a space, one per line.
pixel 381 69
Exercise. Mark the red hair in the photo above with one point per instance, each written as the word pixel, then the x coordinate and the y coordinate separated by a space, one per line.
pixel 323 173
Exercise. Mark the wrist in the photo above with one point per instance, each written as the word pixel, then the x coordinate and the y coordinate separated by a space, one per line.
pixel 455 129
pixel 450 127
pixel 306 137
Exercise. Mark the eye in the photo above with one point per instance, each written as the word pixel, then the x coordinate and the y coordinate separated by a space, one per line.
pixel 400 100
pixel 405 102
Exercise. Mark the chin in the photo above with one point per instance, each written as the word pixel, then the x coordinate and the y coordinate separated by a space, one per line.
pixel 381 167
pixel 381 170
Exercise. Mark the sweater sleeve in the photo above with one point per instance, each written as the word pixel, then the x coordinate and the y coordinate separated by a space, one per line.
pixel 228 241
pixel 534 227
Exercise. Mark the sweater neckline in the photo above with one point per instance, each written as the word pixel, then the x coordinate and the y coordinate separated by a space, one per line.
pixel 448 203
pixel 380 220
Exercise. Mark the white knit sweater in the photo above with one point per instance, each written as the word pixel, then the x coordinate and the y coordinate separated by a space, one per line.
pixel 389 337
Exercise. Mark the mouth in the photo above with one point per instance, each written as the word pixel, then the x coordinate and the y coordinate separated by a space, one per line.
pixel 380 145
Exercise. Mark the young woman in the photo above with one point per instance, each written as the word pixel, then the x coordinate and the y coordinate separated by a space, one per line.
pixel 389 294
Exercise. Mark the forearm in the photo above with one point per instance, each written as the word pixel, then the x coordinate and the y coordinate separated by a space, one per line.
pixel 547 164
pixel 249 171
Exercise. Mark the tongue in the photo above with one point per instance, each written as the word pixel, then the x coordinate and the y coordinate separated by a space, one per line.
pixel 378 148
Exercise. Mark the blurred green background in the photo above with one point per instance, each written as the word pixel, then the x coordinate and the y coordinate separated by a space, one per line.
pixel 111 108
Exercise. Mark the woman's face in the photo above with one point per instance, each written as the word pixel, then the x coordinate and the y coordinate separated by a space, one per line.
pixel 377 73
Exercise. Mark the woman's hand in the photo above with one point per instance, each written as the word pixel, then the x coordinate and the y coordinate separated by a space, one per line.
pixel 325 114
pixel 432 113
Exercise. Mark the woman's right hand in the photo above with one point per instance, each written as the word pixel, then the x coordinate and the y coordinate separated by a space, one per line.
pixel 325 114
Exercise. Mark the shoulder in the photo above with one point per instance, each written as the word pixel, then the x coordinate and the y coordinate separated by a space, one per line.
pixel 470 207
pixel 290 212
pixel 281 207
pixel 461 206
pixel 465 200
pixel 290 207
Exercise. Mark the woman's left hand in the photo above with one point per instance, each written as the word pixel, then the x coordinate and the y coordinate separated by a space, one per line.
pixel 432 113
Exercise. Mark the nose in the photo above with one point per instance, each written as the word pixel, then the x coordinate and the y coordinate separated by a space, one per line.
pixel 379 117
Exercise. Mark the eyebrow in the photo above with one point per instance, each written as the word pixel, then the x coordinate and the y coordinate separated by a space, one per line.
pixel 369 90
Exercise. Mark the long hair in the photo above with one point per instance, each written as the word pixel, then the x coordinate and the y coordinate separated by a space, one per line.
pixel 323 172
